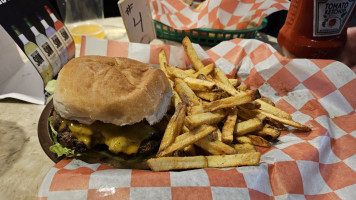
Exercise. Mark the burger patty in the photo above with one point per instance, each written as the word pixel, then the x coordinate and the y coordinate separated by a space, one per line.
pixel 67 140
pixel 65 137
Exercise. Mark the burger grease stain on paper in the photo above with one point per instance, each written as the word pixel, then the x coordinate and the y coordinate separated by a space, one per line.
pixel 75 164
pixel 106 191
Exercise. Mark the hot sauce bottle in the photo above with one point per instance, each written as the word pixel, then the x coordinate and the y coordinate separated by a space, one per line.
pixel 316 28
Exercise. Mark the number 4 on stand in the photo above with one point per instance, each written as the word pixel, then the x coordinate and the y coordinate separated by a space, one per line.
pixel 137 18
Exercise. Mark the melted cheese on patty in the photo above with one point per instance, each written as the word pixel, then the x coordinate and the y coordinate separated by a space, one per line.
pixel 126 139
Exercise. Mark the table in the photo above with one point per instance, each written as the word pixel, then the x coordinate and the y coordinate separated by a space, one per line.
pixel 23 162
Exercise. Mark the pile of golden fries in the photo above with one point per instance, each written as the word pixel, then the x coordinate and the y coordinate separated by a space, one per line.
pixel 217 122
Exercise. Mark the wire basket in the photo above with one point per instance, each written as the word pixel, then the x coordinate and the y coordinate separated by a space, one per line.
pixel 205 36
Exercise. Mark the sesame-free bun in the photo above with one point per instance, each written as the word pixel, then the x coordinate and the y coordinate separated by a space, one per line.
pixel 120 91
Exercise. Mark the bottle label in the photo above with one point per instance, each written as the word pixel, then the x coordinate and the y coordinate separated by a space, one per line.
pixel 53 58
pixel 38 59
pixel 57 43
pixel 330 16
pixel 65 35
pixel 45 47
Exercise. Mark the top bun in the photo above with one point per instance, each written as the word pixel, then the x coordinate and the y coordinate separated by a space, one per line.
pixel 120 91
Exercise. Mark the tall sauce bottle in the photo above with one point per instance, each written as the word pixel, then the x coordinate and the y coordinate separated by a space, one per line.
pixel 316 28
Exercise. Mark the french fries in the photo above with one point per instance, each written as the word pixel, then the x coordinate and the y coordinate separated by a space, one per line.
pixel 244 148
pixel 266 131
pixel 189 150
pixel 234 160
pixel 209 96
pixel 286 121
pixel 267 100
pixel 187 139
pixel 177 163
pixel 253 139
pixel 227 88
pixel 246 114
pixel 234 82
pixel 163 61
pixel 198 84
pixel 218 135
pixel 176 72
pixel 175 98
pixel 221 76
pixel 191 162
pixel 268 108
pixel 205 70
pixel 241 88
pixel 259 141
pixel 174 127
pixel 248 126
pixel 231 101
pixel 190 71
pixel 192 55
pixel 244 140
pixel 217 121
pixel 185 93
pixel 196 120
pixel 215 147
pixel 229 125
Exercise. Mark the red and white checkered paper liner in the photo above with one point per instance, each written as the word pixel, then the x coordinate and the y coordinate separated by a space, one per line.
pixel 320 164
pixel 215 14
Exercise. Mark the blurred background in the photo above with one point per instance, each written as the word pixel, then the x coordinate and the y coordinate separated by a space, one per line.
pixel 275 20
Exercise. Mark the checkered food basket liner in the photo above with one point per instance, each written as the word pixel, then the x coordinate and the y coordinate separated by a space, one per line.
pixel 215 21
pixel 320 164
pixel 215 14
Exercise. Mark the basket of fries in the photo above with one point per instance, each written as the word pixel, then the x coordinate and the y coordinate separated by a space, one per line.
pixel 218 115
pixel 205 36
pixel 217 120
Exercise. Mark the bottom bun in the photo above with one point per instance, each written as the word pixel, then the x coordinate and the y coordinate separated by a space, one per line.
pixel 95 156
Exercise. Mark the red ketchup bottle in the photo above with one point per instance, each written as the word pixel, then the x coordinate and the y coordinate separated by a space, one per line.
pixel 316 28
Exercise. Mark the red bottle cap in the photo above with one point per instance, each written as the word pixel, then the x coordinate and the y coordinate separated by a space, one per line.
pixel 47 9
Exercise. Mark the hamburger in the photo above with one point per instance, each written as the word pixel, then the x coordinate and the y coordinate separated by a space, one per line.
pixel 111 105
